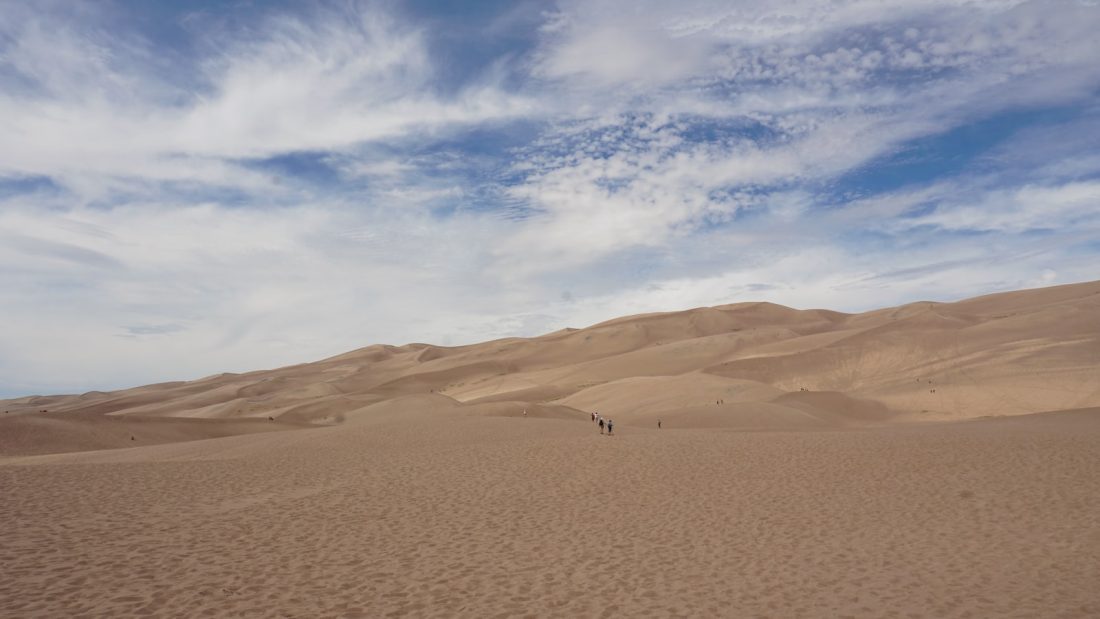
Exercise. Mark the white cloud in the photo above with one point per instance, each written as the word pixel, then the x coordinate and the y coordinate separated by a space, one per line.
pixel 689 154
pixel 839 84
pixel 655 185
pixel 1073 205
pixel 325 81
pixel 621 54
pixel 170 291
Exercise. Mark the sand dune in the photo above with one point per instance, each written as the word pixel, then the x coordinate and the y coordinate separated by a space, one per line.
pixel 1004 354
pixel 930 460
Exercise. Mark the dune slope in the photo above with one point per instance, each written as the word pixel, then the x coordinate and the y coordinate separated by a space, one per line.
pixel 1003 354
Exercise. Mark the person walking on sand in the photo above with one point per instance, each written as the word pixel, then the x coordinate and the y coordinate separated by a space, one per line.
pixel 601 425
pixel 610 426
pixel 658 424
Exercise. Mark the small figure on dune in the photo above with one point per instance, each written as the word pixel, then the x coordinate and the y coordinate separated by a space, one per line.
pixel 132 437
pixel 525 412
pixel 610 425
pixel 601 425
pixel 658 424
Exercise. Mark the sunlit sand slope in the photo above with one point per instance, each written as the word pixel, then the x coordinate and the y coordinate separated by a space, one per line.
pixel 746 365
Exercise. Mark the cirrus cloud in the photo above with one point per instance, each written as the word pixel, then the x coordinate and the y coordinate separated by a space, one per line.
pixel 190 191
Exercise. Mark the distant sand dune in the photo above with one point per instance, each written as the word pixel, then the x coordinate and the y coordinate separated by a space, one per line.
pixel 1004 354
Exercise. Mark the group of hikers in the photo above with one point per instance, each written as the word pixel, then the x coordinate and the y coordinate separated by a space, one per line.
pixel 599 420
pixel 603 422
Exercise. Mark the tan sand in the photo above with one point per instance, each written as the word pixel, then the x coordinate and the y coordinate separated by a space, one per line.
pixel 408 481
pixel 442 514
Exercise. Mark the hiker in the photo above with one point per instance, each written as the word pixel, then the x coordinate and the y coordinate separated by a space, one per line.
pixel 610 425
pixel 658 424
pixel 601 425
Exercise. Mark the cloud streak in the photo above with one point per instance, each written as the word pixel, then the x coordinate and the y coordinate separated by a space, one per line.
pixel 189 192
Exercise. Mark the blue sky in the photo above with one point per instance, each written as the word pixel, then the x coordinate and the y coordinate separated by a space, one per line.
pixel 188 188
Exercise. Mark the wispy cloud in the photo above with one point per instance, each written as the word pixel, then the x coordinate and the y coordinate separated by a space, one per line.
pixel 95 113
pixel 189 191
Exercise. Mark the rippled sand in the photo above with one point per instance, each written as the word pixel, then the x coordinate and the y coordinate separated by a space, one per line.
pixel 437 512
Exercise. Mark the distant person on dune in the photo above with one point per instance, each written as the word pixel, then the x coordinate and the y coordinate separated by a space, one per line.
pixel 601 425
pixel 610 425
pixel 658 424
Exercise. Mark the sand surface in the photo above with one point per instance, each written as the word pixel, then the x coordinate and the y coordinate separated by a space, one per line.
pixel 897 463
pixel 446 514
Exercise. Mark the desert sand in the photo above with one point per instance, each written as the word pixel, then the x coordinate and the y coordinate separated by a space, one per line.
pixel 931 460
